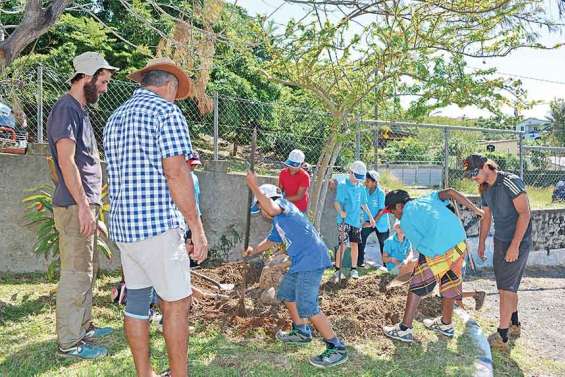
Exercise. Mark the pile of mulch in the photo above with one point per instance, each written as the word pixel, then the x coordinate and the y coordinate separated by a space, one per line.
pixel 357 309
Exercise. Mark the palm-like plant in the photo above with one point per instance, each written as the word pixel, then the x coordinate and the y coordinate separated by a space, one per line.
pixel 39 213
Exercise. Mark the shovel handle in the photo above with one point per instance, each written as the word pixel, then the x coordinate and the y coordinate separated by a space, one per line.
pixel 468 253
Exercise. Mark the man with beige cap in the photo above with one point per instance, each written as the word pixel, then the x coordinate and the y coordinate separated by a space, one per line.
pixel 146 143
pixel 75 204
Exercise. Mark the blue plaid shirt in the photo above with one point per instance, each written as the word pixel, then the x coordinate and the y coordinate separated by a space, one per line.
pixel 138 135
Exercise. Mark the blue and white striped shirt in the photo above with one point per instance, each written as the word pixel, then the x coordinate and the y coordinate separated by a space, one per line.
pixel 138 136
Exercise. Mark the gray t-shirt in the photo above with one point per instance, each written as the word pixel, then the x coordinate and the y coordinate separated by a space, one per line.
pixel 68 120
pixel 499 198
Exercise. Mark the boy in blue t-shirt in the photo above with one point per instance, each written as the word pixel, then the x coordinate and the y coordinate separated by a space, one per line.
pixel 299 288
pixel 351 200
pixel 438 236
pixel 396 249
pixel 376 203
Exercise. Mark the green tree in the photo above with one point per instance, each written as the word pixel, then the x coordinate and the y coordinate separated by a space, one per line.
pixel 408 48
pixel 557 119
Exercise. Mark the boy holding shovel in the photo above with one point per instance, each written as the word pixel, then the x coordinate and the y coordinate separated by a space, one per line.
pixel 438 235
pixel 351 199
pixel 299 288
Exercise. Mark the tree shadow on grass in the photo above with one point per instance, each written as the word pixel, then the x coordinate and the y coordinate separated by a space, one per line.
pixel 382 357
pixel 41 358
pixel 27 307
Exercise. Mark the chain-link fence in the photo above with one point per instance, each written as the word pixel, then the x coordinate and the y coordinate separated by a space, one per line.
pixel 412 155
pixel 222 134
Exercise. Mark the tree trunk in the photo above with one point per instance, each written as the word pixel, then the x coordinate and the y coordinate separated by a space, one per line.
pixel 35 23
pixel 234 150
pixel 323 163
pixel 325 184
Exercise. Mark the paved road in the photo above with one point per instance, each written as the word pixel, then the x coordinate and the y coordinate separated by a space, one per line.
pixel 541 308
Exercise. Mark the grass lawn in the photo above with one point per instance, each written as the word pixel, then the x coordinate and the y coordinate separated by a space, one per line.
pixel 28 347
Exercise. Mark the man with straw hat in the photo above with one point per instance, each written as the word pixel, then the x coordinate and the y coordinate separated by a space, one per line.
pixel 152 198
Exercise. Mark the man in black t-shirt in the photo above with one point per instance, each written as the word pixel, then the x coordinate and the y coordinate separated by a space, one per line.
pixel 75 204
pixel 504 199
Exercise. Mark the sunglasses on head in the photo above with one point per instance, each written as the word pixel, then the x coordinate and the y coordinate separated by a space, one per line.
pixel 474 172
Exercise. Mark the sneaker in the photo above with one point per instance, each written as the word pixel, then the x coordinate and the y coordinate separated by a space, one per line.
pixel 479 299
pixel 331 357
pixel 496 342
pixel 159 322
pixel 395 332
pixel 97 332
pixel 166 373
pixel 354 274
pixel 437 325
pixel 515 330
pixel 293 336
pixel 335 277
pixel 84 350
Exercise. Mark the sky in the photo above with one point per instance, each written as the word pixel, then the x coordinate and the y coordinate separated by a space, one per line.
pixel 542 65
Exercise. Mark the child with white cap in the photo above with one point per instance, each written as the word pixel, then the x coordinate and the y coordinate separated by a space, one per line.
pixel 300 287
pixel 294 181
pixel 351 198
pixel 376 203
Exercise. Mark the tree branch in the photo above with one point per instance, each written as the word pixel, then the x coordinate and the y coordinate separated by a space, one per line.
pixel 35 23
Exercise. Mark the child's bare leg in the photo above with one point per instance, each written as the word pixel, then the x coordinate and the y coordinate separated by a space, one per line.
pixel 321 323
pixel 338 255
pixel 293 311
pixel 354 254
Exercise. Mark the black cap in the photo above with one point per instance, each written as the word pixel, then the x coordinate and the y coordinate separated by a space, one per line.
pixel 473 164
pixel 396 196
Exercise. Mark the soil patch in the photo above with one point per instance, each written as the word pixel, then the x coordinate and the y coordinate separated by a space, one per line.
pixel 357 309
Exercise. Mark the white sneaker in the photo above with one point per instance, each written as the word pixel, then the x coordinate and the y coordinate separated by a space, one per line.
pixel 354 274
pixel 437 325
pixel 335 277
pixel 395 332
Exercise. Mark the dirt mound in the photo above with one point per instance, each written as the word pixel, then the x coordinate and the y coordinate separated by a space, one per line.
pixel 356 308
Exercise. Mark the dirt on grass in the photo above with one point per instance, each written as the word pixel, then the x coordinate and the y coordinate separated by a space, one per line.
pixel 357 309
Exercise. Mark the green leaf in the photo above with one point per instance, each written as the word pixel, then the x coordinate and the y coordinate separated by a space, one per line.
pixel 103 247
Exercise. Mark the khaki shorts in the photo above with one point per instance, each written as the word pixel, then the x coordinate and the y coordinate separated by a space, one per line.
pixel 160 262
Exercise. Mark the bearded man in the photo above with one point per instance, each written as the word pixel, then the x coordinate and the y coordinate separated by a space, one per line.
pixel 76 202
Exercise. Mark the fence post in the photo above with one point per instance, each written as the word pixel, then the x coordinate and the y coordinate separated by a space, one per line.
pixel 357 139
pixel 40 104
pixel 376 136
pixel 216 126
pixel 521 151
pixel 445 158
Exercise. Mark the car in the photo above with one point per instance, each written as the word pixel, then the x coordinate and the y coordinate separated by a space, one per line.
pixel 559 192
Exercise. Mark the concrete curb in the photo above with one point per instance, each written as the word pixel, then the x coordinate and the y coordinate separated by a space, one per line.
pixel 483 357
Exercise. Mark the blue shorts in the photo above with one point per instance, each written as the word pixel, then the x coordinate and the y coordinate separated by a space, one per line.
pixel 302 288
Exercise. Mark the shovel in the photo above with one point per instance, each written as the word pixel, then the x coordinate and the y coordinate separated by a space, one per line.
pixel 248 222
pixel 468 252
pixel 404 275
pixel 220 286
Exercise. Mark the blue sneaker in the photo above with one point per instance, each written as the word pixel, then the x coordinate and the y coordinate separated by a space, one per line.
pixel 84 350
pixel 293 336
pixel 97 332
pixel 331 357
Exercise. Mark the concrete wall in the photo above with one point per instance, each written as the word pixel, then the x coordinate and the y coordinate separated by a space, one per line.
pixel 224 207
